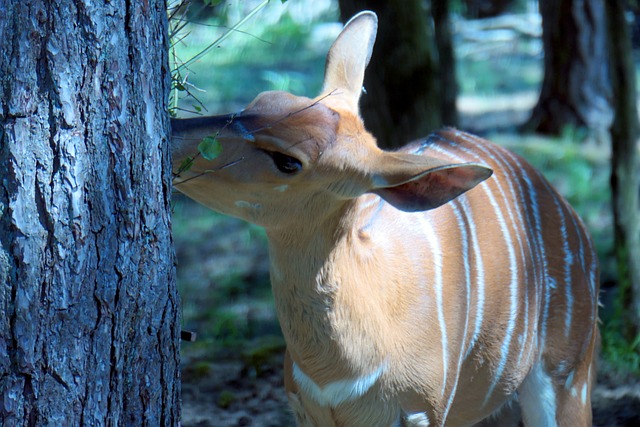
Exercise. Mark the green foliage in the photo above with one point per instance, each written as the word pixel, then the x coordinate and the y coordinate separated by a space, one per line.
pixel 259 56
pixel 200 369
pixel 185 165
pixel 621 353
pixel 224 299
pixel 262 353
pixel 493 73
pixel 210 147
pixel 178 31
pixel 619 348
pixel 228 328
pixel 230 313
pixel 226 399
pixel 620 340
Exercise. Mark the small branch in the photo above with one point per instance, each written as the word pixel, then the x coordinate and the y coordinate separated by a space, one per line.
pixel 235 162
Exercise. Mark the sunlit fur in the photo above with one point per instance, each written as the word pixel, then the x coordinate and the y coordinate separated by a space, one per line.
pixel 412 287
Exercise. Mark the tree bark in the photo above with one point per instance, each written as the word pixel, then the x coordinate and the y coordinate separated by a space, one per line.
pixel 89 332
pixel 447 62
pixel 486 8
pixel 575 89
pixel 403 99
pixel 625 164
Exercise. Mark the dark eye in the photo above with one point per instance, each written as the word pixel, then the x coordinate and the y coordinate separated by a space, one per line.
pixel 285 164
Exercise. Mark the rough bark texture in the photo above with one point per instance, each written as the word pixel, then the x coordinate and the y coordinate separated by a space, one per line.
pixel 404 91
pixel 625 167
pixel 89 331
pixel 575 89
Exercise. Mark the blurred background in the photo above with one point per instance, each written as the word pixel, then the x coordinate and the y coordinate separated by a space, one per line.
pixel 555 82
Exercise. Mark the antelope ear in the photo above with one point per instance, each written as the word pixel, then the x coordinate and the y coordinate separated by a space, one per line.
pixel 349 56
pixel 411 189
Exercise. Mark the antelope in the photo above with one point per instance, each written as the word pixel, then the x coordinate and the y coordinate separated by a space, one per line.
pixel 445 283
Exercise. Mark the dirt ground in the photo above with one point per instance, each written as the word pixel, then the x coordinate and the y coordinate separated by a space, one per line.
pixel 229 395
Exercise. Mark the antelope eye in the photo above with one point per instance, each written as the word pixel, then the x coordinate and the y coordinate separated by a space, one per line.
pixel 285 164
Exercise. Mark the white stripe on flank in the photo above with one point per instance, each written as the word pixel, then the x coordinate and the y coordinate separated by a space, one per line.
pixel 506 166
pixel 540 253
pixel 337 392
pixel 577 224
pixel 437 261
pixel 479 265
pixel 477 253
pixel 513 313
pixel 591 273
pixel 568 260
pixel 594 268
pixel 513 268
pixel 375 211
pixel 368 201
pixel 578 232
pixel 467 276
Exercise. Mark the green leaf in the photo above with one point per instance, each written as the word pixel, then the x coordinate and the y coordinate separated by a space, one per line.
pixel 185 165
pixel 210 148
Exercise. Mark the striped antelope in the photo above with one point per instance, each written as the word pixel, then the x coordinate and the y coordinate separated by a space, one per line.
pixel 445 283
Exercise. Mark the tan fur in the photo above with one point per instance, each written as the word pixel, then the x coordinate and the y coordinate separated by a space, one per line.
pixel 379 261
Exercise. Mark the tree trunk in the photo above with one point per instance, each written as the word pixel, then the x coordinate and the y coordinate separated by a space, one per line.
pixel 403 98
pixel 447 62
pixel 486 8
pixel 625 166
pixel 89 331
pixel 575 89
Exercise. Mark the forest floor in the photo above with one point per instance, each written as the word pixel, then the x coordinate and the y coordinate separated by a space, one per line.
pixel 230 394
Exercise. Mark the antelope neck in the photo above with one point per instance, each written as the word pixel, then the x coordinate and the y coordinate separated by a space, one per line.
pixel 309 289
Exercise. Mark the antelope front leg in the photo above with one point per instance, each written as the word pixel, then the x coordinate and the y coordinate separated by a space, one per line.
pixel 305 416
